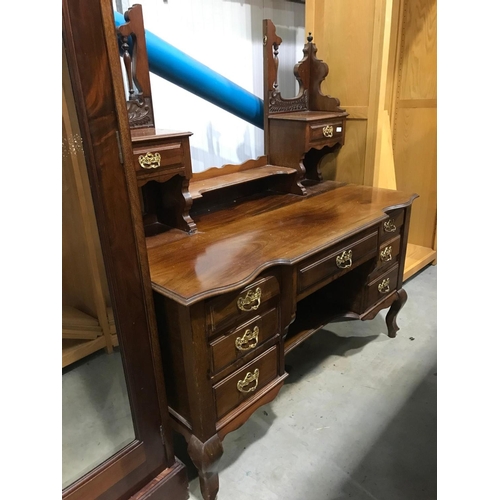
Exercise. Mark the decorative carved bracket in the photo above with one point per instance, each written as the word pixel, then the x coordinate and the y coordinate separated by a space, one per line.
pixel 132 36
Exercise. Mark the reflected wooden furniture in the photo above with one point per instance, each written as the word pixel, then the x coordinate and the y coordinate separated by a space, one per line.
pixel 275 257
pixel 87 316
pixel 147 467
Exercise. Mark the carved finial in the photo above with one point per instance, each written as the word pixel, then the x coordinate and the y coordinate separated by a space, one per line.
pixel 310 38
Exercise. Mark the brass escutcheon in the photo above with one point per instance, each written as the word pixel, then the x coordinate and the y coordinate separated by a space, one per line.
pixel 249 378
pixel 389 226
pixel 243 343
pixel 328 130
pixel 344 260
pixel 383 286
pixel 245 303
pixel 150 160
pixel 386 254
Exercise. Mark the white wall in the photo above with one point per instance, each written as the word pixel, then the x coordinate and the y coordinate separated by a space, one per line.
pixel 226 36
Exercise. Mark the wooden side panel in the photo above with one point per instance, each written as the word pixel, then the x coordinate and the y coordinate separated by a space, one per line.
pixel 415 121
pixel 419 49
pixel 353 39
pixel 415 159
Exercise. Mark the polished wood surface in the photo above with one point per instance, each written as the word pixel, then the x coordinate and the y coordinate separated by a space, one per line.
pixel 261 233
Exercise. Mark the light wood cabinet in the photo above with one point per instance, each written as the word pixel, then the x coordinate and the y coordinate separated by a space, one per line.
pixel 384 55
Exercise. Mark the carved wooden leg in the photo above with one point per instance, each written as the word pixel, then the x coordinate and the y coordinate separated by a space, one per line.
pixel 396 306
pixel 205 457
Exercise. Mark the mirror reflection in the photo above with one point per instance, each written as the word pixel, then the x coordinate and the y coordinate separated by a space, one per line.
pixel 96 414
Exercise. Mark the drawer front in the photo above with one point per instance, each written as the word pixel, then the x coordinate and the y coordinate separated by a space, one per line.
pixel 326 131
pixel 246 382
pixel 392 226
pixel 379 288
pixel 244 340
pixel 346 256
pixel 156 158
pixel 241 306
pixel 388 255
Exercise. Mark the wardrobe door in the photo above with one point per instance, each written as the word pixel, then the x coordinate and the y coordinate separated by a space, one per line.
pixel 116 435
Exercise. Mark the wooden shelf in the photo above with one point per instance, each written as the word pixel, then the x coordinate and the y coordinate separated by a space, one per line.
pixel 417 257
pixel 74 350
pixel 198 187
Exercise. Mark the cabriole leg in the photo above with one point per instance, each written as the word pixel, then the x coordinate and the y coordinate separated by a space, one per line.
pixel 396 306
pixel 205 457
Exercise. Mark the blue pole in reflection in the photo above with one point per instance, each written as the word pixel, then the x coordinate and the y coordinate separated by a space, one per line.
pixel 173 65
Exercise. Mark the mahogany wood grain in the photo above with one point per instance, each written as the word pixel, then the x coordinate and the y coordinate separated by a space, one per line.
pixel 373 294
pixel 227 395
pixel 170 483
pixel 197 188
pixel 224 349
pixel 324 265
pixel 396 220
pixel 388 254
pixel 261 239
pixel 224 310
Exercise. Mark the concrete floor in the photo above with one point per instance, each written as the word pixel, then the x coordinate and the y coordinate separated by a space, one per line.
pixel 96 415
pixel 355 420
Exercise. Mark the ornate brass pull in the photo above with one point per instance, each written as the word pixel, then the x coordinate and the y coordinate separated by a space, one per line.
pixel 386 254
pixel 389 226
pixel 150 160
pixel 328 131
pixel 243 343
pixel 384 286
pixel 344 260
pixel 251 301
pixel 249 378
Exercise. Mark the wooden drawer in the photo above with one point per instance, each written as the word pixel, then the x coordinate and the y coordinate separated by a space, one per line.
pixel 241 306
pixel 388 255
pixel 381 286
pixel 157 157
pixel 325 131
pixel 246 382
pixel 244 340
pixel 346 256
pixel 392 226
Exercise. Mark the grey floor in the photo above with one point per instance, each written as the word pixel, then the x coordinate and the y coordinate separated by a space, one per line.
pixel 355 420
pixel 96 415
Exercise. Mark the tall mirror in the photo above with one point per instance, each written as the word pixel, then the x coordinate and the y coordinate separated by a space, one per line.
pixel 96 412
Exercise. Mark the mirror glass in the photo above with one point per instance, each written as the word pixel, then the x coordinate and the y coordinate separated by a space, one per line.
pixel 96 414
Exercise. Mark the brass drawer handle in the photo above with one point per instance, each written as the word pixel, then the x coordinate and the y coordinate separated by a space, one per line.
pixel 250 377
pixel 150 160
pixel 389 226
pixel 344 260
pixel 243 343
pixel 386 254
pixel 251 301
pixel 328 131
pixel 384 286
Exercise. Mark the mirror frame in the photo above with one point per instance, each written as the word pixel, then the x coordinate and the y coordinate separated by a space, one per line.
pixel 92 52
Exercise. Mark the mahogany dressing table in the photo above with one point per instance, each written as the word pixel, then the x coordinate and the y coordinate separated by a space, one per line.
pixel 259 256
